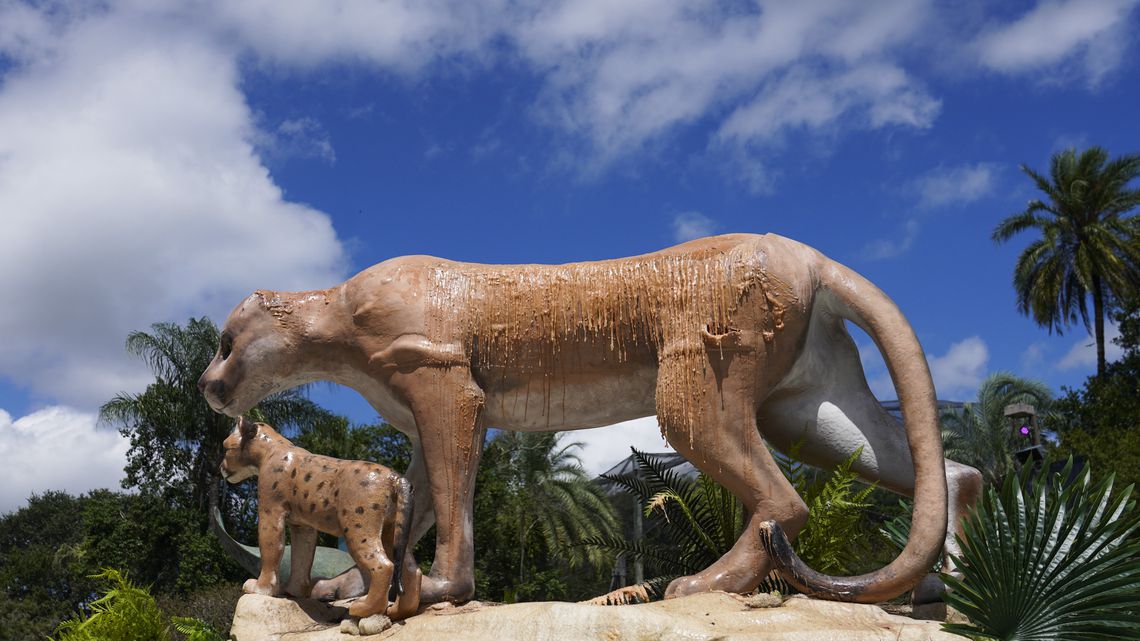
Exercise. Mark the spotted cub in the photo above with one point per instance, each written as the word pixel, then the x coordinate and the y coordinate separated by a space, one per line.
pixel 368 504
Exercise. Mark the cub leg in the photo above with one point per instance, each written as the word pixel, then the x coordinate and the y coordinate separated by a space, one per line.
pixel 726 445
pixel 304 542
pixel 368 552
pixel 271 540
pixel 447 405
pixel 352 582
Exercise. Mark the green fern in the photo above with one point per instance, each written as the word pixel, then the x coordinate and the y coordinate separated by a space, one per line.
pixel 125 612
pixel 196 629
pixel 834 538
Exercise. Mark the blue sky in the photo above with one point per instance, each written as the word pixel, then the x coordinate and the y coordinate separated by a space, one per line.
pixel 160 160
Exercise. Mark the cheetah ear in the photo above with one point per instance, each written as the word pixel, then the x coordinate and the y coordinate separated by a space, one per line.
pixel 247 428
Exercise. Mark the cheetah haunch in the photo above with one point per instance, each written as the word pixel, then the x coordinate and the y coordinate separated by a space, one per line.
pixel 730 341
pixel 366 503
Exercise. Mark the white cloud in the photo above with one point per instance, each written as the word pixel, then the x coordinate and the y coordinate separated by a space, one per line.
pixel 1034 357
pixel 303 137
pixel 959 371
pixel 132 194
pixel 959 185
pixel 870 96
pixel 883 248
pixel 692 224
pixel 1082 354
pixel 604 447
pixel 1054 32
pixel 624 73
pixel 56 448
pixel 401 35
pixel 937 188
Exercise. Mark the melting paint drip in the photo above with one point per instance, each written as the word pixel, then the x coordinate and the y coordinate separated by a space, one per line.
pixel 539 322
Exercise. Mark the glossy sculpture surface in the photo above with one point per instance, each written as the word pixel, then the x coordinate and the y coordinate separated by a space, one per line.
pixel 366 503
pixel 728 340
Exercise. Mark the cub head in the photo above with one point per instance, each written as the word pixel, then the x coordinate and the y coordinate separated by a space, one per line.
pixel 238 463
pixel 255 356
pixel 241 452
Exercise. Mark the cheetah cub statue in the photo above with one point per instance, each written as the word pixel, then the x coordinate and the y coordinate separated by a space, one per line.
pixel 366 503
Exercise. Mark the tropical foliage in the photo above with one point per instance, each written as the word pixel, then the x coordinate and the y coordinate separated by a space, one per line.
pixel 834 540
pixel 1050 556
pixel 1089 246
pixel 553 497
pixel 525 546
pixel 1101 420
pixel 980 435
pixel 127 612
pixel 695 520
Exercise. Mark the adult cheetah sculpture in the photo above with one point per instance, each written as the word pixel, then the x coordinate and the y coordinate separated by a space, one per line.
pixel 729 341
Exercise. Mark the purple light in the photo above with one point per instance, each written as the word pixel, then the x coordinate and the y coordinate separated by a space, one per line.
pixel 1025 430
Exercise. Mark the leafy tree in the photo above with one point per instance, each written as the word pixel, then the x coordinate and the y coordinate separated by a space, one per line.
pixel 40 584
pixel 49 549
pixel 1089 246
pixel 553 498
pixel 332 435
pixel 1101 420
pixel 1049 558
pixel 176 439
pixel 980 435
pixel 503 507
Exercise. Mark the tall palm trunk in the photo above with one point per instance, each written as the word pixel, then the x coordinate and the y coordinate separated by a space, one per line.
pixel 1098 313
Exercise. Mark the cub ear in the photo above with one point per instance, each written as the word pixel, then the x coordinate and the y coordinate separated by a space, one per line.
pixel 247 428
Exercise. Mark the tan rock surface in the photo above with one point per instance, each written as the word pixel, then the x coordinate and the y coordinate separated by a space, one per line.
pixel 695 618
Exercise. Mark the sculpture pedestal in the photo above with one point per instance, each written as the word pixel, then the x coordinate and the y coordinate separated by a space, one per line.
pixel 695 618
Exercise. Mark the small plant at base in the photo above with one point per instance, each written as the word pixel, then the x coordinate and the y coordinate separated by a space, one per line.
pixel 125 612
pixel 196 630
pixel 1045 562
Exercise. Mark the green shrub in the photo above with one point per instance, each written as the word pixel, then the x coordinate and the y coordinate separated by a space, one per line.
pixel 1046 558
pixel 698 520
pixel 127 612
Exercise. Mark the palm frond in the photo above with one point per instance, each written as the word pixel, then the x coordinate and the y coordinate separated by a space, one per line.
pixel 1046 558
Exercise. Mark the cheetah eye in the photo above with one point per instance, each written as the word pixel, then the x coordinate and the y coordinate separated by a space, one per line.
pixel 226 347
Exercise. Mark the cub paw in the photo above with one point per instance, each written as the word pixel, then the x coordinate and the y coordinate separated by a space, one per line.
pixel 251 586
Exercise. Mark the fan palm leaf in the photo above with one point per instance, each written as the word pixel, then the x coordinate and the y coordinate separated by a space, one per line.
pixel 1047 558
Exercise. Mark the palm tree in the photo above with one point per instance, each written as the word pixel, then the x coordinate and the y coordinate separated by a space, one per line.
pixel 1089 245
pixel 980 435
pixel 554 498
pixel 176 439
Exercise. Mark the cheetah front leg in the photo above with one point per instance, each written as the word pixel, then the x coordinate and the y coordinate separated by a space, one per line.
pixel 447 405
pixel 271 540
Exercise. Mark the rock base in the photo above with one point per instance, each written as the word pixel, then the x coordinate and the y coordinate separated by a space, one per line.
pixel 701 617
